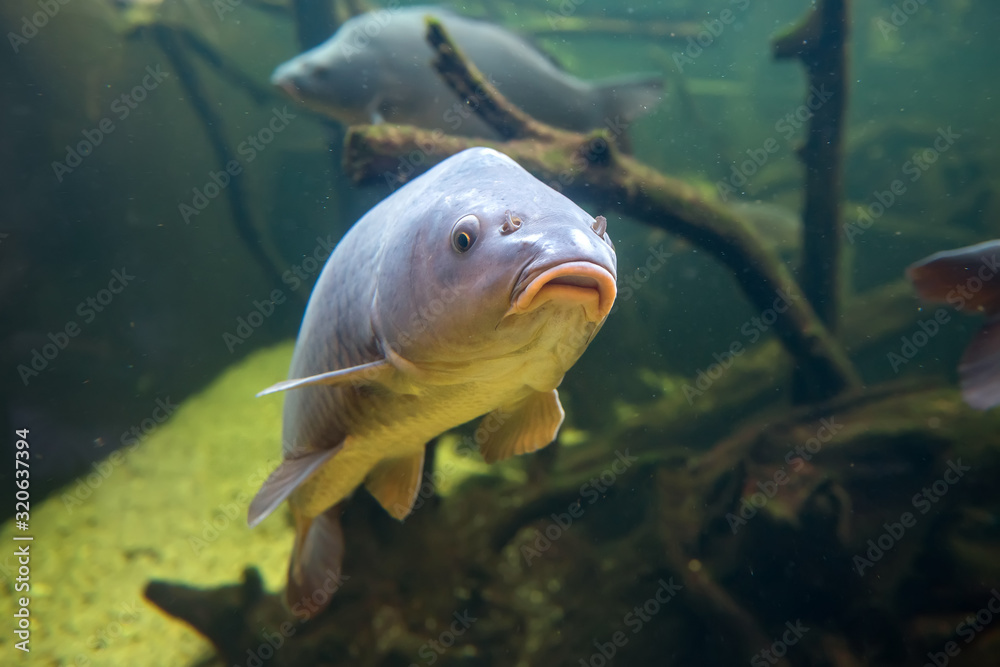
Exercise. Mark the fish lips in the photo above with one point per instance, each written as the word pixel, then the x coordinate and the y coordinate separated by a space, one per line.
pixel 285 81
pixel 591 286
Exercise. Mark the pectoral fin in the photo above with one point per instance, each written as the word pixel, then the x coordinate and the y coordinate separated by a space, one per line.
pixel 280 484
pixel 375 371
pixel 395 482
pixel 527 427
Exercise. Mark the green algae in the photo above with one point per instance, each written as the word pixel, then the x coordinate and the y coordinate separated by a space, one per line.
pixel 173 508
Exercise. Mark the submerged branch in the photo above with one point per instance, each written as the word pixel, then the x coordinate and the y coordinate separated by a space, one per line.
pixel 591 167
pixel 819 43
pixel 167 39
pixel 226 69
pixel 471 85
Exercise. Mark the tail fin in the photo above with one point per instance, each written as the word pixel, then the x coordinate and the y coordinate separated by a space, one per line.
pixel 314 571
pixel 979 370
pixel 630 97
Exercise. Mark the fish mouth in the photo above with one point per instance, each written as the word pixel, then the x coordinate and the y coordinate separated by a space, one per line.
pixel 584 283
pixel 287 85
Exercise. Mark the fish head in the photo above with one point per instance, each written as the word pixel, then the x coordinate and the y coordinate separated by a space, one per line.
pixel 336 78
pixel 496 265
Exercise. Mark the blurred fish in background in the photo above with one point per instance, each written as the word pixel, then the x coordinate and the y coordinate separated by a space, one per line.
pixel 377 68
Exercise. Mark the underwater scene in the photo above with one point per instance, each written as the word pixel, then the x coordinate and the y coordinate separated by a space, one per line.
pixel 500 333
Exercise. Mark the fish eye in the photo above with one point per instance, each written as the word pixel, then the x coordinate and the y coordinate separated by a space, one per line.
pixel 464 233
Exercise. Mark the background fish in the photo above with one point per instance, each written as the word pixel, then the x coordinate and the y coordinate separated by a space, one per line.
pixel 377 67
pixel 471 290
pixel 969 279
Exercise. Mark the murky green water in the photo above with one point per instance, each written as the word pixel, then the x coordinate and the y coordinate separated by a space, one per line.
pixel 712 498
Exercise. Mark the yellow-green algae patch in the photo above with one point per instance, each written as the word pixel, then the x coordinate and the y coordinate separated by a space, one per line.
pixel 172 508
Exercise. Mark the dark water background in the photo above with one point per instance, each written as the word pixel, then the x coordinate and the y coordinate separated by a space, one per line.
pixel 162 338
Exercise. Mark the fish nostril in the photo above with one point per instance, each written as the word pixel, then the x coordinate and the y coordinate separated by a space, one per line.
pixel 511 224
pixel 315 71
pixel 600 225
